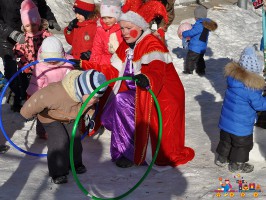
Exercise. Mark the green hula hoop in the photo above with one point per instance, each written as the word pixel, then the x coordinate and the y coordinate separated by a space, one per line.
pixel 74 132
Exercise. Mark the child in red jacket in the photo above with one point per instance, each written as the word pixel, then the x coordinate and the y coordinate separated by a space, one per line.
pixel 108 35
pixel 81 31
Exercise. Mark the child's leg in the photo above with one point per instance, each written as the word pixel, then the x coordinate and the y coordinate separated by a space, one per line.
pixel 10 67
pixel 200 65
pixel 25 80
pixel 58 149
pixel 191 60
pixel 224 146
pixel 241 146
pixel 77 151
pixel 40 131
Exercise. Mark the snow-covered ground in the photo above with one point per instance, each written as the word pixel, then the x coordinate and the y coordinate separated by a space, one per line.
pixel 26 177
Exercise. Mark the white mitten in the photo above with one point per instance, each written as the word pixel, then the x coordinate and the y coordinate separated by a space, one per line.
pixel 113 43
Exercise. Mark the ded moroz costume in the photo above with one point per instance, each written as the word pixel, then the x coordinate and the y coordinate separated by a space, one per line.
pixel 131 114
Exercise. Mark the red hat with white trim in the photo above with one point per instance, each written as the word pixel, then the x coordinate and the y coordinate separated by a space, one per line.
pixel 141 14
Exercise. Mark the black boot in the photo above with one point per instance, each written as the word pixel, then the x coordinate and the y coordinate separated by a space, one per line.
pixel 124 162
pixel 81 169
pixel 187 72
pixel 239 167
pixel 221 161
pixel 60 179
pixel 4 148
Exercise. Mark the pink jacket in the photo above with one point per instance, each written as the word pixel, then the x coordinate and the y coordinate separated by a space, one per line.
pixel 27 52
pixel 106 41
pixel 45 73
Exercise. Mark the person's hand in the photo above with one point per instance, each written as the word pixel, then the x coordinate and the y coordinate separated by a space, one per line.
pixel 85 55
pixel 72 25
pixel 141 81
pixel 54 25
pixel 89 123
pixel 76 64
pixel 17 37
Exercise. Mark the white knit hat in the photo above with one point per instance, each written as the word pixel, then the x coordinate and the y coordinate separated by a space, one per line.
pixel 110 8
pixel 52 47
pixel 250 61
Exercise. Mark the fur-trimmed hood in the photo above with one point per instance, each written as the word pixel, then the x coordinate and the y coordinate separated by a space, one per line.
pixel 210 25
pixel 249 79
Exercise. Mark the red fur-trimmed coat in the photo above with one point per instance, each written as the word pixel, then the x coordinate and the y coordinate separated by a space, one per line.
pixel 152 59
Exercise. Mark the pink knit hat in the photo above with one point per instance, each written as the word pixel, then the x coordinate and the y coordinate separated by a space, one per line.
pixel 29 13
pixel 110 8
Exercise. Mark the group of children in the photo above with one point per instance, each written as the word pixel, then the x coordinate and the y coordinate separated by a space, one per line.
pixel 243 97
pixel 95 37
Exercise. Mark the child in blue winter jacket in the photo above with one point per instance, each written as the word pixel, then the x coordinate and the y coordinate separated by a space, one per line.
pixel 198 41
pixel 243 98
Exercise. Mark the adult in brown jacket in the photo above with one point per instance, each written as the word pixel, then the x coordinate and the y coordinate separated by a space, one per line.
pixel 57 106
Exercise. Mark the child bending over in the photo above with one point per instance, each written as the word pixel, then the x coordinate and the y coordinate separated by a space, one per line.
pixel 57 106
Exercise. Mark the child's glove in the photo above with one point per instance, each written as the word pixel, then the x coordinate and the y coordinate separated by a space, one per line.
pixel 89 123
pixel 17 37
pixel 72 25
pixel 76 64
pixel 85 55
pixel 54 25
pixel 142 81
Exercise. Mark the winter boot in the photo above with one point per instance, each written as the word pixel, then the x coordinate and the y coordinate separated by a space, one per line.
pixel 4 148
pixel 221 161
pixel 59 179
pixel 124 162
pixel 81 169
pixel 239 167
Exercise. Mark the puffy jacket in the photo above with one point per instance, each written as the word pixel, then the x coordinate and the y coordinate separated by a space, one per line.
pixel 199 34
pixel 27 52
pixel 10 20
pixel 50 104
pixel 106 41
pixel 45 73
pixel 81 38
pixel 243 98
